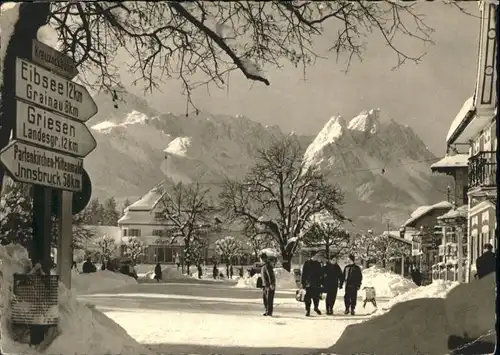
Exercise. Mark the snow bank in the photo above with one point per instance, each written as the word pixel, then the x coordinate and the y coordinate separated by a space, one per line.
pixel 169 273
pixel 386 283
pixel 284 280
pixel 80 326
pixel 424 325
pixel 437 289
pixel 100 281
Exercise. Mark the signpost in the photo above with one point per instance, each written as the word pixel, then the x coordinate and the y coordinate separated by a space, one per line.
pixel 53 60
pixel 50 91
pixel 50 140
pixel 32 165
pixel 53 131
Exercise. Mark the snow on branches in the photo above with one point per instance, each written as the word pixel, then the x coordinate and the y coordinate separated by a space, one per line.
pixel 183 39
pixel 134 249
pixel 328 233
pixel 228 248
pixel 15 217
pixel 107 246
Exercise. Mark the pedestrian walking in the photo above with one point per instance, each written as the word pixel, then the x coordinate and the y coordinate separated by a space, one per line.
pixel 312 277
pixel 486 263
pixel 333 279
pixel 158 272
pixel 177 260
pixel 268 283
pixel 352 281
pixel 215 271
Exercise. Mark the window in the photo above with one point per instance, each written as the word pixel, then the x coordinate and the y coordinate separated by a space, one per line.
pixel 158 232
pixel 159 215
pixel 131 232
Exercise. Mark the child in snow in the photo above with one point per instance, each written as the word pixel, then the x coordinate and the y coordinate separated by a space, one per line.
pixel 369 296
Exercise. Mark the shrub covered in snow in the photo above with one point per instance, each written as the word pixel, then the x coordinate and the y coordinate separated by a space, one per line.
pixel 80 326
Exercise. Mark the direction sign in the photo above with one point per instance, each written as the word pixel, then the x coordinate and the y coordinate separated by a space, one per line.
pixel 30 164
pixel 53 60
pixel 50 130
pixel 50 91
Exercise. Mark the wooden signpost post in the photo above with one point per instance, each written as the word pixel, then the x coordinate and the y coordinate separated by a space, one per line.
pixel 50 140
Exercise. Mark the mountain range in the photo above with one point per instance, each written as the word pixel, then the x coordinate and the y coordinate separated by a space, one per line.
pixel 382 166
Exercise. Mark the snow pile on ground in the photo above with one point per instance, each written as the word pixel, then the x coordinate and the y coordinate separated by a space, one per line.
pixel 424 325
pixel 386 283
pixel 80 326
pixel 284 280
pixel 100 281
pixel 169 273
pixel 437 289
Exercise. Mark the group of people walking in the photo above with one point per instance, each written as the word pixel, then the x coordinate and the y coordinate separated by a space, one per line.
pixel 319 276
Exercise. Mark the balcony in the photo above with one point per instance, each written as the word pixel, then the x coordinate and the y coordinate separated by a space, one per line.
pixel 482 170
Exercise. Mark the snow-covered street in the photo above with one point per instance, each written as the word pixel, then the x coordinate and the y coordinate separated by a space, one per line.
pixel 182 318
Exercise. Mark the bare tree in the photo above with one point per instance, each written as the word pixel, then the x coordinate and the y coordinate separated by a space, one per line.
pixel 327 233
pixel 107 246
pixel 228 248
pixel 134 249
pixel 177 39
pixel 281 194
pixel 190 213
pixel 258 238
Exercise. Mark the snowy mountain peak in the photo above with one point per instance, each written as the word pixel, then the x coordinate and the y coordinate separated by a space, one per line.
pixel 179 146
pixel 366 121
pixel 329 135
pixel 135 117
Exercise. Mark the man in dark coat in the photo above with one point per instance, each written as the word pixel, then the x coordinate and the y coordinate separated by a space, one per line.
pixel 88 266
pixel 268 283
pixel 333 279
pixel 312 277
pixel 158 272
pixel 352 279
pixel 486 263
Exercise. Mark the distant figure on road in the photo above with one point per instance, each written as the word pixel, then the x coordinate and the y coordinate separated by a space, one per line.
pixel 486 263
pixel 158 275
pixel 230 274
pixel 312 277
pixel 200 271
pixel 177 261
pixel 268 283
pixel 333 279
pixel 88 266
pixel 241 271
pixel 215 271
pixel 352 279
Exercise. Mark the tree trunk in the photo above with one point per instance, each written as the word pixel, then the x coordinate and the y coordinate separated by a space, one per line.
pixel 327 251
pixel 287 261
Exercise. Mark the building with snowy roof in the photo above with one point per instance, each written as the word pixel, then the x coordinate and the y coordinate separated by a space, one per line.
pixel 474 127
pixel 145 221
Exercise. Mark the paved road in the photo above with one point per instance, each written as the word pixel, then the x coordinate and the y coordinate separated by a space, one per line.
pixel 198 298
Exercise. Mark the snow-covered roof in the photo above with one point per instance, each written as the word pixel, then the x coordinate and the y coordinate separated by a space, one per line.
pixel 460 120
pixel 456 213
pixel 148 201
pixel 396 236
pixel 452 161
pixel 424 210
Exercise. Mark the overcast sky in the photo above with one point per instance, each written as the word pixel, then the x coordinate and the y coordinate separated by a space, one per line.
pixel 426 95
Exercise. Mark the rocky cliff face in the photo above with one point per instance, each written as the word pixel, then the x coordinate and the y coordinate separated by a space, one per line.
pixel 382 166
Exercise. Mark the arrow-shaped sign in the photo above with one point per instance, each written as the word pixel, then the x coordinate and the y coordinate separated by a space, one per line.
pixel 32 165
pixel 53 60
pixel 46 129
pixel 50 91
